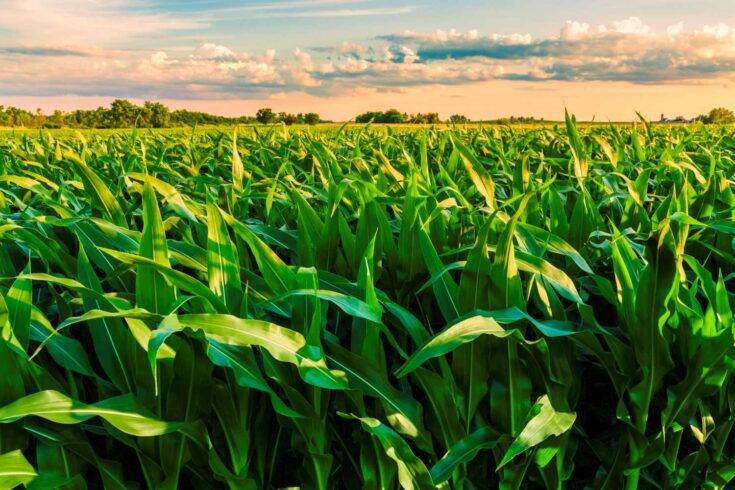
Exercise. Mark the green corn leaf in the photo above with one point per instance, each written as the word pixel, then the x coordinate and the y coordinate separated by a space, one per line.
pixel 275 272
pixel 123 412
pixel 98 191
pixel 460 333
pixel 15 470
pixel 463 452
pixel 283 344
pixel 237 168
pixel 445 289
pixel 576 146
pixel 506 289
pixel 482 180
pixel 543 422
pixel 223 265
pixel 18 300
pixel 656 288
pixel 412 473
pixel 402 411
pixel 177 278
pixel 152 290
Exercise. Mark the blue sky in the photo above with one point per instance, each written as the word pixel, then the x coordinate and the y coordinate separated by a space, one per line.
pixel 484 58
pixel 259 23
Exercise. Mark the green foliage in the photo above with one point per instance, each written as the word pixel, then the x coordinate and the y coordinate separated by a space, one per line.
pixel 428 118
pixel 15 116
pixel 124 114
pixel 265 116
pixel 394 116
pixel 458 119
pixel 519 120
pixel 311 118
pixel 456 307
pixel 719 115
pixel 391 116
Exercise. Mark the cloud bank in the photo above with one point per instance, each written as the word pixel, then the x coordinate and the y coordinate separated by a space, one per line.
pixel 620 51
pixel 625 50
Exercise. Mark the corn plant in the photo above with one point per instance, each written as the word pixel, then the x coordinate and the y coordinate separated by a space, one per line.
pixel 363 307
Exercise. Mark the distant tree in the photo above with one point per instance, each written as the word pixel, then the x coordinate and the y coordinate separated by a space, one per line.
pixel 518 120
pixel 719 115
pixel 391 116
pixel 367 117
pixel 429 118
pixel 15 116
pixel 87 119
pixel 287 118
pixel 38 119
pixel 311 118
pixel 155 115
pixel 123 113
pixel 394 116
pixel 265 115
pixel 101 118
pixel 55 121
pixel 458 119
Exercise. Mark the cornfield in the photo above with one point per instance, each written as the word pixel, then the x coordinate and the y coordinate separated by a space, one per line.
pixel 445 307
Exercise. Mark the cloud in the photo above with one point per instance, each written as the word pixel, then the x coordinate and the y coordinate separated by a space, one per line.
pixel 362 12
pixel 87 22
pixel 208 70
pixel 307 8
pixel 625 51
pixel 211 67
pixel 42 51
pixel 287 5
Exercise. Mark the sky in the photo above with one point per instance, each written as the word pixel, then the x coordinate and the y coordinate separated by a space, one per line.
pixel 600 59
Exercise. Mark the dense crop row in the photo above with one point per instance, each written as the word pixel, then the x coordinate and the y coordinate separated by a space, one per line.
pixel 462 308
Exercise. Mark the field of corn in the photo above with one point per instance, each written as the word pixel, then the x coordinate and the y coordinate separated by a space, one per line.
pixel 461 308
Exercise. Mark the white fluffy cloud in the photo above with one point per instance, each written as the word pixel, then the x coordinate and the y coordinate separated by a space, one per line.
pixel 626 50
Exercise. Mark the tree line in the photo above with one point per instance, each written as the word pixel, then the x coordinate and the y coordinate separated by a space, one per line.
pixel 394 116
pixel 718 115
pixel 124 114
